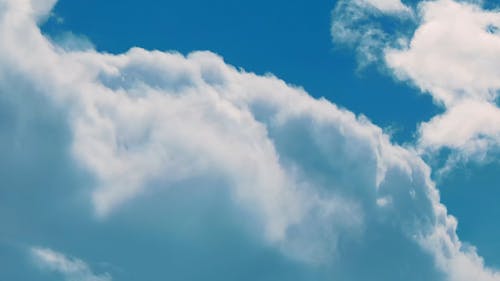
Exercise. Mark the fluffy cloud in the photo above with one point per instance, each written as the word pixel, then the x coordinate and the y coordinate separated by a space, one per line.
pixel 469 126
pixel 71 268
pixel 326 186
pixel 453 56
pixel 453 53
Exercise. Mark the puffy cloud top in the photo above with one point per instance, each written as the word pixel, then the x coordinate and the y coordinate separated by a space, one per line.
pixel 318 178
pixel 453 56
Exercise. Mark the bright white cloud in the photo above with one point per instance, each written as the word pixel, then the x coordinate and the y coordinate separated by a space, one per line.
pixel 318 178
pixel 470 126
pixel 72 269
pixel 453 56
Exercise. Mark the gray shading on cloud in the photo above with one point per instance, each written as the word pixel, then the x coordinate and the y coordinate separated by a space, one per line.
pixel 311 185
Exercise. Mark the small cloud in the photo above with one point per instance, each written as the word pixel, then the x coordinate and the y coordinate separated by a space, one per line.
pixel 72 269
pixel 384 201
pixel 57 18
pixel 70 41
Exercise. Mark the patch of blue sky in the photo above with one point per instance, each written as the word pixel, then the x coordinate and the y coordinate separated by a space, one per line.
pixel 290 39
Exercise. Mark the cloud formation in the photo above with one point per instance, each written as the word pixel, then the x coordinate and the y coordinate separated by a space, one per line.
pixel 386 6
pixel 327 187
pixel 448 50
pixel 453 56
pixel 356 24
pixel 72 269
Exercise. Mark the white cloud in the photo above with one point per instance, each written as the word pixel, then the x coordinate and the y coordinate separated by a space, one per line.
pixel 318 178
pixel 355 24
pixel 39 10
pixel 72 269
pixel 470 126
pixel 453 56
pixel 387 6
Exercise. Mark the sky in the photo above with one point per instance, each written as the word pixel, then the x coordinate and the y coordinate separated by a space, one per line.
pixel 266 140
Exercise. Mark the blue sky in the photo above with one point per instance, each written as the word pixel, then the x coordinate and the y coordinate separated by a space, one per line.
pixel 290 39
pixel 308 141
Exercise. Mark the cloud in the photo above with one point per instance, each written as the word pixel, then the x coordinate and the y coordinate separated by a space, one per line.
pixel 470 126
pixel 387 6
pixel 38 10
pixel 72 269
pixel 356 24
pixel 453 56
pixel 455 61
pixel 449 58
pixel 326 187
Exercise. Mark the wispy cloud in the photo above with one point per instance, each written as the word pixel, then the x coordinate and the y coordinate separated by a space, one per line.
pixel 356 24
pixel 72 269
pixel 387 6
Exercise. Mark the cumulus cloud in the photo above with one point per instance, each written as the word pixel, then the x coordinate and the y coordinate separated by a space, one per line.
pixel 453 53
pixel 449 51
pixel 469 126
pixel 72 269
pixel 326 186
pixel 453 56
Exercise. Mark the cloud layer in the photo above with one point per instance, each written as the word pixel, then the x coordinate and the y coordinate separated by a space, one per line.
pixel 326 187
